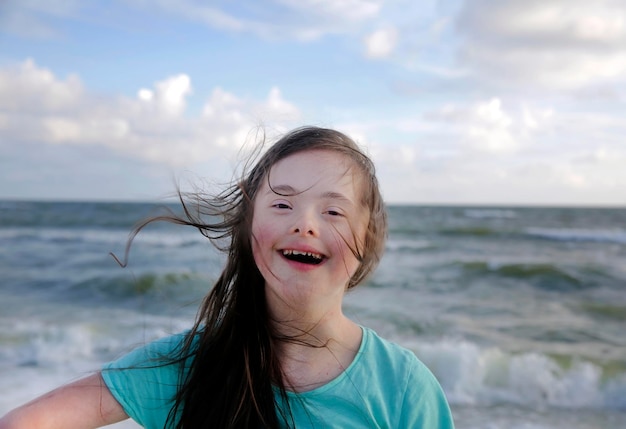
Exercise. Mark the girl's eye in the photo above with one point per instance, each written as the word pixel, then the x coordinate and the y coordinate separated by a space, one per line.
pixel 281 206
pixel 333 213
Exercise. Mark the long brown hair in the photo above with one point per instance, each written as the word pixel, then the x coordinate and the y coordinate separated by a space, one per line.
pixel 229 383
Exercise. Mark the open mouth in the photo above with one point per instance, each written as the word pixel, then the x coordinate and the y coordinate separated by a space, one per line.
pixel 303 257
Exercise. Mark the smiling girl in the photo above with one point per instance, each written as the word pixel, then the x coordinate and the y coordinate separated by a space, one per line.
pixel 271 346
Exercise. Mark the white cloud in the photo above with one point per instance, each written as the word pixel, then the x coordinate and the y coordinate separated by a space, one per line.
pixel 40 108
pixel 277 108
pixel 171 93
pixel 29 18
pixel 350 10
pixel 227 108
pixel 207 14
pixel 168 96
pixel 501 150
pixel 564 70
pixel 145 94
pixel 32 88
pixel 304 20
pixel 381 43
pixel 467 177
pixel 481 114
pixel 561 44
pixel 484 126
pixel 279 19
pixel 554 22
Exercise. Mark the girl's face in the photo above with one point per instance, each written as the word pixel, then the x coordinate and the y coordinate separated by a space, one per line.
pixel 307 217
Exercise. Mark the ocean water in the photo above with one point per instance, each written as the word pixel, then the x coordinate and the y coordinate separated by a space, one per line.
pixel 519 312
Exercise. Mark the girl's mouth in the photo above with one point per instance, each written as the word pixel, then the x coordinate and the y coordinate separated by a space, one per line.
pixel 310 258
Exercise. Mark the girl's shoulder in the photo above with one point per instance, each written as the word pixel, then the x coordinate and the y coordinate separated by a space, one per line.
pixel 396 375
pixel 392 364
pixel 163 349
pixel 376 348
pixel 145 381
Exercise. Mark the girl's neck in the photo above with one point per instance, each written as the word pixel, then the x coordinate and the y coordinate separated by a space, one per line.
pixel 313 354
pixel 316 319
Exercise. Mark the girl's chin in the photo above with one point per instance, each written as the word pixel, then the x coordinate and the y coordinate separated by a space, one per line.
pixel 302 294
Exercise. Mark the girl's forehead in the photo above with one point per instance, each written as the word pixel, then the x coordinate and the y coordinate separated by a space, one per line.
pixel 324 171
pixel 305 169
pixel 317 159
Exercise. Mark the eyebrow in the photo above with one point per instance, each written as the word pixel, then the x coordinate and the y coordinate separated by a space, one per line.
pixel 288 190
pixel 336 196
pixel 282 190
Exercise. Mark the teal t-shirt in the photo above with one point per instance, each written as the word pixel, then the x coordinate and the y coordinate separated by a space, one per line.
pixel 385 386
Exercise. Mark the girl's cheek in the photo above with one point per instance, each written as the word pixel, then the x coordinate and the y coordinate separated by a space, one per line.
pixel 263 235
pixel 343 242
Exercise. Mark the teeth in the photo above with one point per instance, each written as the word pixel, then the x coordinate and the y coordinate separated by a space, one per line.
pixel 299 253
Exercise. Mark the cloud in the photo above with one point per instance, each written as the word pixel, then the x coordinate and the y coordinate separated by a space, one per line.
pixel 29 87
pixel 303 20
pixel 484 126
pixel 209 15
pixel 37 107
pixel 561 44
pixel 499 151
pixel 278 19
pixel 350 10
pixel 478 114
pixel 28 18
pixel 381 43
pixel 168 97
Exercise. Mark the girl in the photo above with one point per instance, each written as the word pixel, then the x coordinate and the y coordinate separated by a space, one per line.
pixel 271 346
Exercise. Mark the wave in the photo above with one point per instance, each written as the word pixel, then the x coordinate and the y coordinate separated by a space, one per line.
pixel 554 234
pixel 143 291
pixel 159 290
pixel 473 231
pixel 114 237
pixel 408 245
pixel 581 235
pixel 67 343
pixel 75 214
pixel 470 374
pixel 61 236
pixel 544 275
pixel 475 375
pixel 489 214
pixel 605 311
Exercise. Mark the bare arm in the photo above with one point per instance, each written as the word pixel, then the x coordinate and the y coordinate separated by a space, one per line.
pixel 83 404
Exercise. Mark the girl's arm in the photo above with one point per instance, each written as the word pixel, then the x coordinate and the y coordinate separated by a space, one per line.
pixel 83 404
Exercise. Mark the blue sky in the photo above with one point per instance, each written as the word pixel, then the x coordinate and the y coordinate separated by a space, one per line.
pixel 457 101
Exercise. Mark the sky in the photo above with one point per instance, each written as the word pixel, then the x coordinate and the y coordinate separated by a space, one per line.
pixel 481 102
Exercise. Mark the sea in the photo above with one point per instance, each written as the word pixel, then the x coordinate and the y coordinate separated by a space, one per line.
pixel 520 312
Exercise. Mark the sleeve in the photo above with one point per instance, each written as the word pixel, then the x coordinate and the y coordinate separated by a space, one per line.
pixel 145 381
pixel 424 404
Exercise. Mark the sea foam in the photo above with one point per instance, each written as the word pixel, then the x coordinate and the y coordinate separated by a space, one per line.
pixel 474 375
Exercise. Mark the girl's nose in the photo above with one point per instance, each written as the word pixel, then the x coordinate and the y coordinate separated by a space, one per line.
pixel 305 225
pixel 304 231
